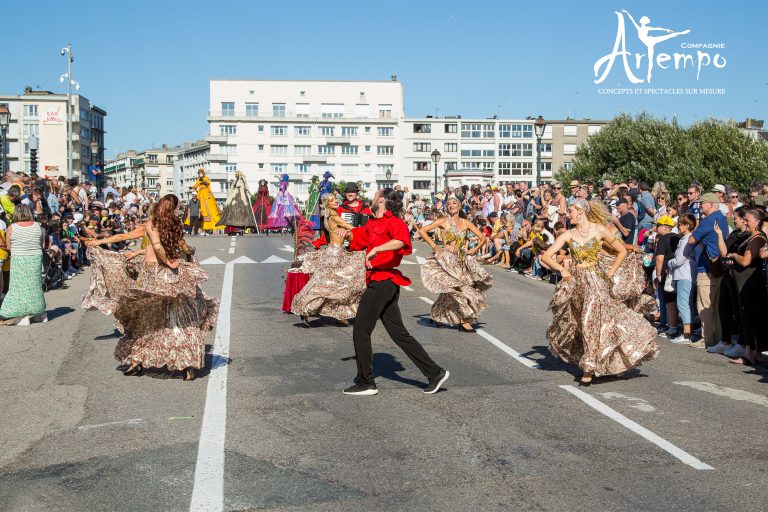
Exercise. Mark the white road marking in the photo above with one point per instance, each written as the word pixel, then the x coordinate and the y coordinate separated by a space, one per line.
pixel 133 421
pixel 408 288
pixel 735 394
pixel 662 443
pixel 407 262
pixel 243 259
pixel 208 490
pixel 427 300
pixel 275 259
pixel 286 248
pixel 637 403
pixel 231 250
pixel 530 363
pixel 421 260
pixel 213 260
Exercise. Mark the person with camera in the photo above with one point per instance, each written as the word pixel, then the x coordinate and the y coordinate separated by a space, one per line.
pixel 683 266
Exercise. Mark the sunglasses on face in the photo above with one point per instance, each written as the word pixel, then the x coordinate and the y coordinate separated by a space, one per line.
pixel 734 197
pixel 690 193
pixel 558 188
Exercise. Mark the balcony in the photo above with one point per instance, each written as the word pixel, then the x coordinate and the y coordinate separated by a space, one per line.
pixel 470 173
pixel 343 141
pixel 218 157
pixel 216 138
pixel 320 159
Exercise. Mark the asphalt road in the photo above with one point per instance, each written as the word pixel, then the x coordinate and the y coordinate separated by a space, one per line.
pixel 507 433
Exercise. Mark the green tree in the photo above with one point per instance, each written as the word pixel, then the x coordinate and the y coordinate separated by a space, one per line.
pixel 652 149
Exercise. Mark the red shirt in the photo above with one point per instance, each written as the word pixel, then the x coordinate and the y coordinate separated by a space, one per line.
pixel 375 233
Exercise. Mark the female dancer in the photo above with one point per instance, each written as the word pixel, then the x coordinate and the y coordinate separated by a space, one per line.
pixel 209 210
pixel 590 327
pixel 158 304
pixel 453 272
pixel 338 276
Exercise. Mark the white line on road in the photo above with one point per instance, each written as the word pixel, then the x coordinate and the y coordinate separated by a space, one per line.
pixel 427 300
pixel 662 443
pixel 408 288
pixel 504 348
pixel 208 490
pixel 231 250
pixel 133 421
pixel 735 394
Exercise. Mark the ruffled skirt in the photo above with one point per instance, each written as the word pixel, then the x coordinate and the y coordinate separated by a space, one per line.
pixel 595 330
pixel 628 285
pixel 336 285
pixel 461 285
pixel 163 313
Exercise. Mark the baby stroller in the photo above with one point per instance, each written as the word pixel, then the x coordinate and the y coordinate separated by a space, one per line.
pixel 53 276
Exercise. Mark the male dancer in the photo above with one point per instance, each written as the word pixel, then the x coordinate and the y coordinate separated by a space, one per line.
pixel 386 240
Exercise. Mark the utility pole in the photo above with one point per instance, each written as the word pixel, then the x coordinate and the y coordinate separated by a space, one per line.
pixel 70 59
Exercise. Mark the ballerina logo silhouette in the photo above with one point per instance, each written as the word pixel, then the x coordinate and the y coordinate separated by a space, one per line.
pixel 645 35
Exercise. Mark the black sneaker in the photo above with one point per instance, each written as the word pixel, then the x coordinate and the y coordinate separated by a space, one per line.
pixel 434 385
pixel 361 390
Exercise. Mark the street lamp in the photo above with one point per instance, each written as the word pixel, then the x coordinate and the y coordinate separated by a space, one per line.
pixel 539 126
pixel 5 120
pixel 388 174
pixel 70 82
pixel 435 160
pixel 94 152
pixel 34 145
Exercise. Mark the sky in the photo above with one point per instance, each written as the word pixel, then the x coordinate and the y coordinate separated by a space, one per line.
pixel 148 63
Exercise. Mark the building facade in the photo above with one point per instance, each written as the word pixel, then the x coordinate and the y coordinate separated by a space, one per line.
pixel 44 114
pixel 303 128
pixel 191 157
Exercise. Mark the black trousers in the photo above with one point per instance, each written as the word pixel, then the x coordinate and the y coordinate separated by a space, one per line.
pixel 379 301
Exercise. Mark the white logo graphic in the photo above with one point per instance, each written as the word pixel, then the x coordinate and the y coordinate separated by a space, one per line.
pixel 644 63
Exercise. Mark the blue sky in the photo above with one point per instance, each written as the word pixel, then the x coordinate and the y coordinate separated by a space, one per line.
pixel 148 63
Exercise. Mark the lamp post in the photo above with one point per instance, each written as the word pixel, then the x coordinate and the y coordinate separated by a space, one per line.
pixel 388 174
pixel 34 145
pixel 70 82
pixel 5 120
pixel 539 126
pixel 435 160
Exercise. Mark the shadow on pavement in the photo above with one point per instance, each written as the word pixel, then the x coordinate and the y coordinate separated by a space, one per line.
pixel 387 366
pixel 59 311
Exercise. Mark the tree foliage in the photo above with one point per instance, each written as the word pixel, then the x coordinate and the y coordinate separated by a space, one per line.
pixel 652 149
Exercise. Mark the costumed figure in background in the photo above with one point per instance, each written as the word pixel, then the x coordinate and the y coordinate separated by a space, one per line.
pixel 156 298
pixel 209 210
pixel 590 327
pixel 312 207
pixel 326 187
pixel 284 212
pixel 338 276
pixel 453 272
pixel 262 206
pixel 237 210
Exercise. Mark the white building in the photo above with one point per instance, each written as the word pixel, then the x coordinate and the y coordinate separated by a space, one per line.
pixel 268 128
pixel 44 114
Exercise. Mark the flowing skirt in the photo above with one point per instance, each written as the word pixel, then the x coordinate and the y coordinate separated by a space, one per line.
pixel 163 313
pixel 25 288
pixel 461 285
pixel 336 285
pixel 595 330
pixel 628 285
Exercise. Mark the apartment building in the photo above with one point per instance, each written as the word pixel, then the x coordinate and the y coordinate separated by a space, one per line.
pixel 152 169
pixel 562 138
pixel 44 115
pixel 194 156
pixel 267 128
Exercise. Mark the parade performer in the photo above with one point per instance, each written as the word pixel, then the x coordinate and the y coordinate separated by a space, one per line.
pixel 353 210
pixel 209 210
pixel 284 210
pixel 326 187
pixel 338 276
pixel 262 206
pixel 385 239
pixel 589 326
pixel 312 208
pixel 237 210
pixel 157 301
pixel 453 272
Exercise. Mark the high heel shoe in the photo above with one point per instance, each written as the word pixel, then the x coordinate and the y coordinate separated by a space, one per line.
pixel 305 319
pixel 464 329
pixel 190 374
pixel 135 369
pixel 585 380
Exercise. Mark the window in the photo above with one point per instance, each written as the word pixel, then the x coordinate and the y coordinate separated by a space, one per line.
pixel 570 130
pixel 519 168
pixel 279 167
pixel 302 110
pixel 568 166
pixel 261 128
pixel 278 131
pixel 85 133
pixel 230 167
pixel 450 147
pixel 261 166
pixel 86 116
pixel 516 131
pixel 593 129
pixel 386 131
pixel 422 185
pixel 302 131
pixel 385 110
pixel 332 110
pixel 521 149
pixel 349 168
pixel 546 167
pixel 152 158
pixel 323 168
pixel 261 147
pixel 302 150
pixel 383 168
pixel 505 168
pixel 228 129
pixel 367 149
pixel 169 159
pixel 229 149
pixel 422 128
pixel 385 150
pixel 278 110
pixel 422 147
pixel 227 109
pixel 326 150
pixel 29 130
pixel 420 166
pixel 451 128
pixel 349 131
pixel 569 149
pixel 450 166
pixel 476 131
pixel 169 182
pixel 251 110
pixel 545 147
pixel 30 110
pixel 477 152
pixel 301 167
pixel 361 110
pixel 349 150
pixel 278 150
pixel 327 131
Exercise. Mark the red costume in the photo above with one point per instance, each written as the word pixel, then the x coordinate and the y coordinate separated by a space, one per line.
pixel 377 232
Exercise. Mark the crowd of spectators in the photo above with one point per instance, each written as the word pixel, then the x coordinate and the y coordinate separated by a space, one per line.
pixel 704 251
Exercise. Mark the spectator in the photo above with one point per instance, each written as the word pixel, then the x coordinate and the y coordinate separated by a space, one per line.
pixel 683 267
pixel 694 203
pixel 193 211
pixel 724 206
pixel 109 189
pixel 666 245
pixel 646 207
pixel 560 202
pixel 626 222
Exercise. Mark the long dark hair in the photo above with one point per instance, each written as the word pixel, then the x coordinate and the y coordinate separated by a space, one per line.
pixel 394 201
pixel 169 226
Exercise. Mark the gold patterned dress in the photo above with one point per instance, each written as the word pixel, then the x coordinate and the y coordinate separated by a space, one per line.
pixel 460 280
pixel 162 313
pixel 591 327
pixel 336 286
